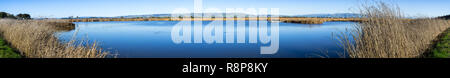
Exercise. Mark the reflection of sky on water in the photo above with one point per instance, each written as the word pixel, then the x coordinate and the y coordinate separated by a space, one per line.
pixel 152 39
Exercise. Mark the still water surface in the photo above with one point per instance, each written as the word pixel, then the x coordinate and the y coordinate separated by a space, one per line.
pixel 152 39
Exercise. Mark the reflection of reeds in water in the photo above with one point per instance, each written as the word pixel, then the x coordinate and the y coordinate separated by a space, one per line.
pixel 386 34
pixel 36 39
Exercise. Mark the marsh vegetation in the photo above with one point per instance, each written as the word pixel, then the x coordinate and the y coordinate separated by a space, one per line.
pixel 36 39
pixel 387 34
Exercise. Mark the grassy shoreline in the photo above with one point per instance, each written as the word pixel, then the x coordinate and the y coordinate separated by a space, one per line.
pixel 441 48
pixel 387 35
pixel 6 51
pixel 36 39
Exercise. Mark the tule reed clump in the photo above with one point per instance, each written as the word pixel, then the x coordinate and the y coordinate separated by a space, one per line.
pixel 388 34
pixel 36 39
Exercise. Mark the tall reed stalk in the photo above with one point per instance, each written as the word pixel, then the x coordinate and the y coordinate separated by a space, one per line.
pixel 388 34
pixel 36 39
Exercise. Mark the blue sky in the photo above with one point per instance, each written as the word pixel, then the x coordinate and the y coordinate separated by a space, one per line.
pixel 65 8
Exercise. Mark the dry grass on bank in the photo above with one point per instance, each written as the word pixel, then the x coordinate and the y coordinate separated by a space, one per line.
pixel 36 39
pixel 387 35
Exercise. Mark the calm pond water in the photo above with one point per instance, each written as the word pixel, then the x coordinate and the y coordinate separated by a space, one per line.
pixel 152 39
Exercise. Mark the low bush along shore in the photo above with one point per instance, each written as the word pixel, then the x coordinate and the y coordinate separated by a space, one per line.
pixel 386 34
pixel 36 39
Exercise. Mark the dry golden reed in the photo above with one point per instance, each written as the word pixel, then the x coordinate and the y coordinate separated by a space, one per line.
pixel 388 34
pixel 36 39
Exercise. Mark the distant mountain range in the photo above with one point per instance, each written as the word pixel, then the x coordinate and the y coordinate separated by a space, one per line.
pixel 337 15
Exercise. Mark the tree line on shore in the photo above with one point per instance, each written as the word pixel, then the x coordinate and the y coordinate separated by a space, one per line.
pixel 445 17
pixel 23 16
